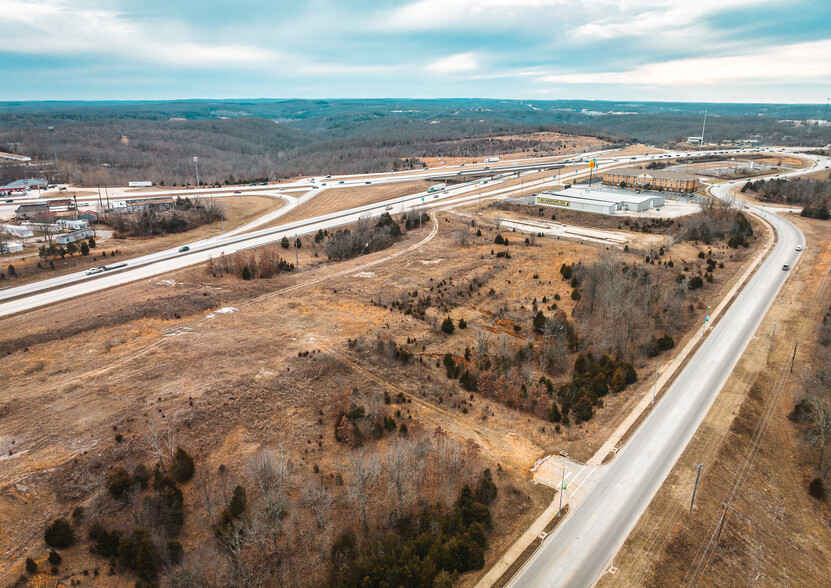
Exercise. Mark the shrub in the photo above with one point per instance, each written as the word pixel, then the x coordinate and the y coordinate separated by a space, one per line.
pixel 105 542
pixel 462 323
pixel 175 551
pixel 182 467
pixel 468 381
pixel 817 488
pixel 284 242
pixel 31 566
pixel 486 491
pixel 119 483
pixel 84 249
pixel 554 414
pixel 246 273
pixel 539 321
pixel 54 558
pixel 695 283
pixel 499 240
pixel 447 326
pixel 59 534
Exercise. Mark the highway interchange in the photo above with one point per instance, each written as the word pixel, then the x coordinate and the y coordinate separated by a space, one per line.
pixel 586 541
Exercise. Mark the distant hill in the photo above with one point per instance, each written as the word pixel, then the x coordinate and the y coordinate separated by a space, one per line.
pixel 113 142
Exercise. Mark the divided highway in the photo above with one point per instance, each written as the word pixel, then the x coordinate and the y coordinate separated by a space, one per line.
pixel 577 553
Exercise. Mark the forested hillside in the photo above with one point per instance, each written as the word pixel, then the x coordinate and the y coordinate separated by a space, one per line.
pixel 115 142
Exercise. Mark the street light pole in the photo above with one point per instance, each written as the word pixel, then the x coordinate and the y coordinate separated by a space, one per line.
pixel 562 484
pixel 196 163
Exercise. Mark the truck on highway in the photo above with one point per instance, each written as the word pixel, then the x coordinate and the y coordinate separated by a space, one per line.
pixel 436 188
pixel 139 184
pixel 491 160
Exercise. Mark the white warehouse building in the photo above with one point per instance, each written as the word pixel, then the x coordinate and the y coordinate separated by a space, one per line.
pixel 599 201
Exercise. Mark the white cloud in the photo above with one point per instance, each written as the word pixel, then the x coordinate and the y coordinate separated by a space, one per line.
pixel 54 27
pixel 800 62
pixel 459 63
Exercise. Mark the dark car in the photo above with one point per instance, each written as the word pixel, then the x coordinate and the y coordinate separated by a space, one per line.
pixel 786 267
pixel 183 249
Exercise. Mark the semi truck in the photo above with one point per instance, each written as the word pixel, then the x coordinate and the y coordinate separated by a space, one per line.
pixel 436 188
pixel 491 160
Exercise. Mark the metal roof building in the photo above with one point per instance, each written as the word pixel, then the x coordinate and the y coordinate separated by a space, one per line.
pixel 599 201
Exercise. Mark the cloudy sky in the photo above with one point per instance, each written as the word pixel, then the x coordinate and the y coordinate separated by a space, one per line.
pixel 686 50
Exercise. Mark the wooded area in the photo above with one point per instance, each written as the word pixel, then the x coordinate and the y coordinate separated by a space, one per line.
pixel 113 143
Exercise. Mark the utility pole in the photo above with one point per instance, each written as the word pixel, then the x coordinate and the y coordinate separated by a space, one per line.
pixel 655 387
pixel 196 163
pixel 75 198
pixel 54 151
pixel 296 253
pixel 795 345
pixel 698 475
pixel 767 361
pixel 562 488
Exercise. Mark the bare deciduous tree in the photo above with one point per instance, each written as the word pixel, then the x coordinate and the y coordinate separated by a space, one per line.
pixel 819 433
pixel 319 500
pixel 363 469
pixel 399 467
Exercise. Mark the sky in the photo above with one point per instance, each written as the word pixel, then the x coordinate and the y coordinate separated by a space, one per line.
pixel 660 50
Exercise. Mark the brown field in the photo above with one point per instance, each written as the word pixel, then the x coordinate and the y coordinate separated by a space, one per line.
pixel 755 458
pixel 234 382
pixel 238 211
pixel 335 199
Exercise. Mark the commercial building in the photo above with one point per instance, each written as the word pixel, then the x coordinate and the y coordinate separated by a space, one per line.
pixel 27 184
pixel 29 211
pixel 73 236
pixel 599 201
pixel 652 179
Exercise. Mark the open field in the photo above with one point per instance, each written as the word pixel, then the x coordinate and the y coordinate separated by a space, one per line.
pixel 239 210
pixel 335 199
pixel 756 460
pixel 233 381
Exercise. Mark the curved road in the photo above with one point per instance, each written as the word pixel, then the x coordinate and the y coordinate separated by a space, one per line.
pixel 584 544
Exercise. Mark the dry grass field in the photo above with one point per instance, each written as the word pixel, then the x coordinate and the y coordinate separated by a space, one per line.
pixel 267 372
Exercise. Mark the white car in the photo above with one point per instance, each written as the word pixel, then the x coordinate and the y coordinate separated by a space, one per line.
pixel 96 270
pixel 799 247
pixel 388 208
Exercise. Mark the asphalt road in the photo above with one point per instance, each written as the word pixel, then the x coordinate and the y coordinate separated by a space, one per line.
pixel 584 544
pixel 27 297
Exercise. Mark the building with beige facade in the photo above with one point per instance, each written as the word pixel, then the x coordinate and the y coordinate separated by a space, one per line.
pixel 652 179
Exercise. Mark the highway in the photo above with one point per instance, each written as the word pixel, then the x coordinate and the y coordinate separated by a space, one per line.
pixel 27 297
pixel 581 548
